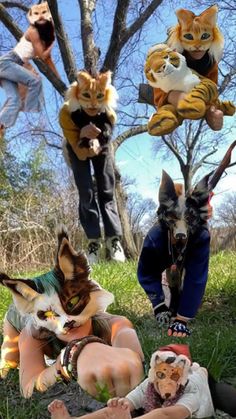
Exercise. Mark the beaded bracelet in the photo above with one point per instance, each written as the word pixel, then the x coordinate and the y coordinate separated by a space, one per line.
pixel 71 352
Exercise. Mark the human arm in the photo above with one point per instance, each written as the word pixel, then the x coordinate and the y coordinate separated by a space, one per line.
pixel 172 412
pixel 162 98
pixel 33 370
pixel 118 367
pixel 32 36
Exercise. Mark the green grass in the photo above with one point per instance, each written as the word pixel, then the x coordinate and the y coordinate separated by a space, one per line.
pixel 212 343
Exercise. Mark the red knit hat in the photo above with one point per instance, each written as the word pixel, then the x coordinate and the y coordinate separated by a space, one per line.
pixel 178 349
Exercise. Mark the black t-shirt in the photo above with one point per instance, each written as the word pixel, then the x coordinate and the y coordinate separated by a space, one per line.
pixel 201 66
pixel 101 120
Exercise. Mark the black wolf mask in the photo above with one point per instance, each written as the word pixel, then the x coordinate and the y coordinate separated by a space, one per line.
pixel 182 213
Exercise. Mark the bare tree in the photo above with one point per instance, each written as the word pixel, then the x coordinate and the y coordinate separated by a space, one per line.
pixel 122 33
pixel 128 23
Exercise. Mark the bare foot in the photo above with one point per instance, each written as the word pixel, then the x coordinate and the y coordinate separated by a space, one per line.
pixel 58 410
pixel 214 118
pixel 118 412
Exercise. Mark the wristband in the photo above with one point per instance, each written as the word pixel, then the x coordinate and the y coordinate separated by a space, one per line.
pixel 71 352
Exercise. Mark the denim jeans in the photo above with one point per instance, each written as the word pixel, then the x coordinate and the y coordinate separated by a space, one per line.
pixel 91 208
pixel 12 72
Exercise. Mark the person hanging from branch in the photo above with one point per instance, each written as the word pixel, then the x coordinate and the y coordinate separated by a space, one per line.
pixel 17 74
pixel 87 119
pixel 200 42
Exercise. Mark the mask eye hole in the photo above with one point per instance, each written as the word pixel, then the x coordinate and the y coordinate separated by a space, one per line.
pixel 175 376
pixel 205 35
pixel 72 302
pixel 160 375
pixel 100 96
pixel 86 94
pixel 45 315
pixel 188 36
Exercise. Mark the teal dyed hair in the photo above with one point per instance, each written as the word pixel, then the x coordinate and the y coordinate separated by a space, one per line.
pixel 47 283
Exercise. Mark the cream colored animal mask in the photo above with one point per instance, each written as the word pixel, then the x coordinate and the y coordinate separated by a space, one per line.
pixel 63 298
pixel 39 13
pixel 168 372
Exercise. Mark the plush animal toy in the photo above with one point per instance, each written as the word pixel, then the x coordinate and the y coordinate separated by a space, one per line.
pixel 167 70
pixel 200 41
pixel 95 94
pixel 174 380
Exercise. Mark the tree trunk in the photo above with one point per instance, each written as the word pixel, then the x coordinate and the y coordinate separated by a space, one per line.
pixel 121 198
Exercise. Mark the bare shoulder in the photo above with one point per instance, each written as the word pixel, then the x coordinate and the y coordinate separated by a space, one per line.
pixel 32 34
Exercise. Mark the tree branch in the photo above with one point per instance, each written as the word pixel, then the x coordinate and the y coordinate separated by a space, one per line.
pixel 115 45
pixel 138 24
pixel 63 42
pixel 7 20
pixel 11 4
pixel 90 51
pixel 120 34
pixel 127 134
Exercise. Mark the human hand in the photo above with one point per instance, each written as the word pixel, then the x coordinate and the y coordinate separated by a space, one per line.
pixel 175 96
pixel 102 366
pixel 61 373
pixel 89 131
pixel 122 402
pixel 214 118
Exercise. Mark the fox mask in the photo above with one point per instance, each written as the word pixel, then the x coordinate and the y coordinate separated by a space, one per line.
pixel 61 299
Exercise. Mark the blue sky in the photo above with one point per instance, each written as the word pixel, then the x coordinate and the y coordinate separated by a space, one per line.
pixel 135 157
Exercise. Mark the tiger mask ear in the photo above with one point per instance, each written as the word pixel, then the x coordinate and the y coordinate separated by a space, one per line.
pixel 72 264
pixel 23 291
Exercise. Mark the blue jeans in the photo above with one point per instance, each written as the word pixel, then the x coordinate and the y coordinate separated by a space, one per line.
pixel 12 72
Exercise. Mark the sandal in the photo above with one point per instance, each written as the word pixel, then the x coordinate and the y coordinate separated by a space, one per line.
pixel 179 326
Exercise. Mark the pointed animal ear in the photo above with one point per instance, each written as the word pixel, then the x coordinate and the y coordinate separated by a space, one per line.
pixel 184 16
pixel 71 263
pixel 200 192
pixel 167 189
pixel 183 362
pixel 23 292
pixel 24 287
pixel 105 79
pixel 83 79
pixel 209 16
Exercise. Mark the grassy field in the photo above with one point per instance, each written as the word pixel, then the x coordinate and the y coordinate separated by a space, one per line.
pixel 212 343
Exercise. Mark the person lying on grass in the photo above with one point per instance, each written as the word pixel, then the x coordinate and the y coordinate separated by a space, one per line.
pixel 175 388
pixel 61 314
